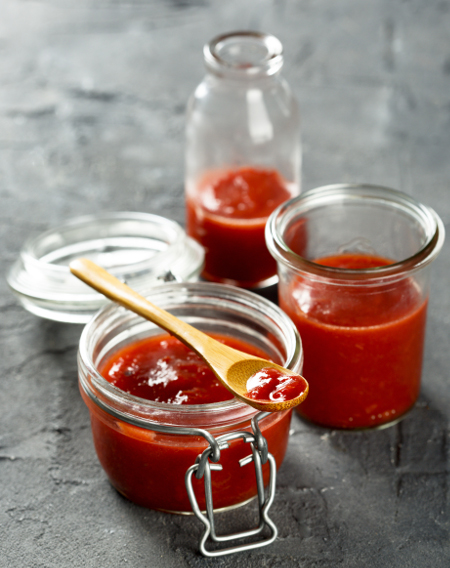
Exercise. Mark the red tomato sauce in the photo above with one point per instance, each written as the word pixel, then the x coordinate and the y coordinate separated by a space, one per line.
pixel 227 214
pixel 275 386
pixel 148 467
pixel 363 352
pixel 163 369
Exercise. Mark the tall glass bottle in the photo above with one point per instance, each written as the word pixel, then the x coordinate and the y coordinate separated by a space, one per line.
pixel 243 156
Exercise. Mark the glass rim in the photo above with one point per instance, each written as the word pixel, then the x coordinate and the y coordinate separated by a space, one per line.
pixel 31 246
pixel 338 193
pixel 140 405
pixel 268 66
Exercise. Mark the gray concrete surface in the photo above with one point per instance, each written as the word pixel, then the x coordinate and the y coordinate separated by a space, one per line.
pixel 92 98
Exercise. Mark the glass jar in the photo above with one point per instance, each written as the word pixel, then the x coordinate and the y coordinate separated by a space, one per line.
pixel 147 447
pixel 354 265
pixel 243 156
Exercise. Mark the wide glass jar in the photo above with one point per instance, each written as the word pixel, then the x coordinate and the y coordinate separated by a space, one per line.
pixel 147 447
pixel 354 265
pixel 243 155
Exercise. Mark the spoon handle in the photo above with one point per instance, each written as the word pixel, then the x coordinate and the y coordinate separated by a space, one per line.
pixel 230 366
pixel 111 287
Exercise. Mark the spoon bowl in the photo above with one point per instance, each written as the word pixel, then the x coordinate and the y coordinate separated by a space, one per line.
pixel 232 368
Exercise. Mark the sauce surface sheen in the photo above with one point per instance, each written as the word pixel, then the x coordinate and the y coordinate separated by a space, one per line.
pixel 275 386
pixel 162 369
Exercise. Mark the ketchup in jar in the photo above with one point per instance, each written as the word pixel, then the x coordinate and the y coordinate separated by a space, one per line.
pixel 361 313
pixel 146 446
pixel 364 350
pixel 227 213
pixel 243 155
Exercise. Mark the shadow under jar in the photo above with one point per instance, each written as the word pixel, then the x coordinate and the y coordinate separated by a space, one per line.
pixel 354 266
pixel 146 447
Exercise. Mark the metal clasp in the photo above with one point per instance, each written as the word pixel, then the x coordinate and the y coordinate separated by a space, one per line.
pixel 203 468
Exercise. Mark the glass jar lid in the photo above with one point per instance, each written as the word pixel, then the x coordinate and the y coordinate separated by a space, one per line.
pixel 139 248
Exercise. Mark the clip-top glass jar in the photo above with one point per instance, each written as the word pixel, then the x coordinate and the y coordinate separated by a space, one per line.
pixel 354 269
pixel 243 156
pixel 147 448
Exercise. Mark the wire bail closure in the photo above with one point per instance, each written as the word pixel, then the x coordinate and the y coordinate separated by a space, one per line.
pixel 202 468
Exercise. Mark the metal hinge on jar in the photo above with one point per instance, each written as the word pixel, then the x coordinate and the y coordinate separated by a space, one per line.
pixel 203 468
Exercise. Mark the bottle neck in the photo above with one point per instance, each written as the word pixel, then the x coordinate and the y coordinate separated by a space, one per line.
pixel 244 56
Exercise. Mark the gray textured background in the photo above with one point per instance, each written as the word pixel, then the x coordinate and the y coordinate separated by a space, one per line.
pixel 92 99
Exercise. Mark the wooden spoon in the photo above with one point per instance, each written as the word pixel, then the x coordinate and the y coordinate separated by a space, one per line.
pixel 232 367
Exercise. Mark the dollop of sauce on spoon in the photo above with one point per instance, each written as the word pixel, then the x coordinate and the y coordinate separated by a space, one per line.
pixel 272 385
